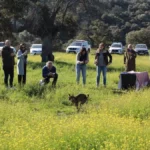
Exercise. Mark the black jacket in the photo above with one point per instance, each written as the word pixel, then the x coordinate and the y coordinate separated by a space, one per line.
pixel 8 60
pixel 106 54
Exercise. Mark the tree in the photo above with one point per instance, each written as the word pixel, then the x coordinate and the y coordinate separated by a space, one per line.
pixel 46 19
pixel 141 36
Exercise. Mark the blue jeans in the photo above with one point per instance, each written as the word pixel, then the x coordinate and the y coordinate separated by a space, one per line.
pixel 100 69
pixel 81 68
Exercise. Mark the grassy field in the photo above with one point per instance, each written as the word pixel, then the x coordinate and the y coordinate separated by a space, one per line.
pixel 36 118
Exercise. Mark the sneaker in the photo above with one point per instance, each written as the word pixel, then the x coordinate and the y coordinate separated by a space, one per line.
pixel 41 83
pixel 7 87
pixel 97 86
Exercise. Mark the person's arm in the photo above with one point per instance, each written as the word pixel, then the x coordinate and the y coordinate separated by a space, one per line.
pixel 125 57
pixel 87 58
pixel 96 59
pixel 134 54
pixel 12 54
pixel 3 53
pixel 78 59
pixel 54 70
pixel 19 54
pixel 45 72
pixel 110 57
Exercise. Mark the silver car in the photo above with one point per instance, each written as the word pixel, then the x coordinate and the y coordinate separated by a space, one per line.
pixel 141 49
pixel 36 49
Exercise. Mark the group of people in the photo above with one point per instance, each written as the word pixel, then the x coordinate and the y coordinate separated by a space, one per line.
pixel 102 59
pixel 8 59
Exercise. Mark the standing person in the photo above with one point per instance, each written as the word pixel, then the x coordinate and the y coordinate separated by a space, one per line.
pixel 129 59
pixel 81 61
pixel 49 71
pixel 8 63
pixel 22 64
pixel 101 61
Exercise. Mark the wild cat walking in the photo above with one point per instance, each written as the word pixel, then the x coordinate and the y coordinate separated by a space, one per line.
pixel 81 61
pixel 78 100
pixel 101 61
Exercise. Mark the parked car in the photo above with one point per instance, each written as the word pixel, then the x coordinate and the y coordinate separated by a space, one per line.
pixel 2 44
pixel 116 48
pixel 36 49
pixel 141 49
pixel 77 45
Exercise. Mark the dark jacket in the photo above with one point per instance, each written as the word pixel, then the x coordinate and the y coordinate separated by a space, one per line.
pixel 82 57
pixel 8 60
pixel 106 55
pixel 129 60
pixel 46 71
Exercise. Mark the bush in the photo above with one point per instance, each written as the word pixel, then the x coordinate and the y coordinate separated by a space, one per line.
pixel 141 36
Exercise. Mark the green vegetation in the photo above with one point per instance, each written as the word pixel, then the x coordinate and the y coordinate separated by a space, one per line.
pixel 59 22
pixel 37 118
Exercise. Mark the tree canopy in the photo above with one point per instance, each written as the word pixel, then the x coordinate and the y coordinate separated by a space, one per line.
pixel 58 21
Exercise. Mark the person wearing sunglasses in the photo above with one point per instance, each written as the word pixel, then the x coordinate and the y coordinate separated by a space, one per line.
pixel 22 64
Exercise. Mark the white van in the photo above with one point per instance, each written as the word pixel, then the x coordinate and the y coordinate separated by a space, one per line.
pixel 116 48
pixel 36 49
pixel 77 45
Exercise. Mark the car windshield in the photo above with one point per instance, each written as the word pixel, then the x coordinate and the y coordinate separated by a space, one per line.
pixel 76 44
pixel 141 46
pixel 2 44
pixel 36 46
pixel 116 45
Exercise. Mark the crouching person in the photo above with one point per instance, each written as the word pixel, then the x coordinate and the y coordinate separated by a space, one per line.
pixel 49 71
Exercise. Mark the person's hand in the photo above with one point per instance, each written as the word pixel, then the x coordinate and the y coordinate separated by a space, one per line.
pixel 109 63
pixel 129 53
pixel 81 62
pixel 95 62
pixel 50 74
pixel 25 53
pixel 86 61
pixel 12 54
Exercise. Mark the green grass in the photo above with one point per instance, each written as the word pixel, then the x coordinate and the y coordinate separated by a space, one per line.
pixel 36 118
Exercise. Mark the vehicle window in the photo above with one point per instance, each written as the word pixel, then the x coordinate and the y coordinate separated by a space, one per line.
pixel 141 46
pixel 116 45
pixel 76 44
pixel 2 44
pixel 36 46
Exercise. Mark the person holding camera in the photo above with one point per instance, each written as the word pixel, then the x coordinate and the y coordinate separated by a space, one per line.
pixel 22 64
pixel 102 61
pixel 129 59
pixel 81 60
pixel 49 71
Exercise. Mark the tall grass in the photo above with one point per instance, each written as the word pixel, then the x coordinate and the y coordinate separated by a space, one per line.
pixel 36 118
